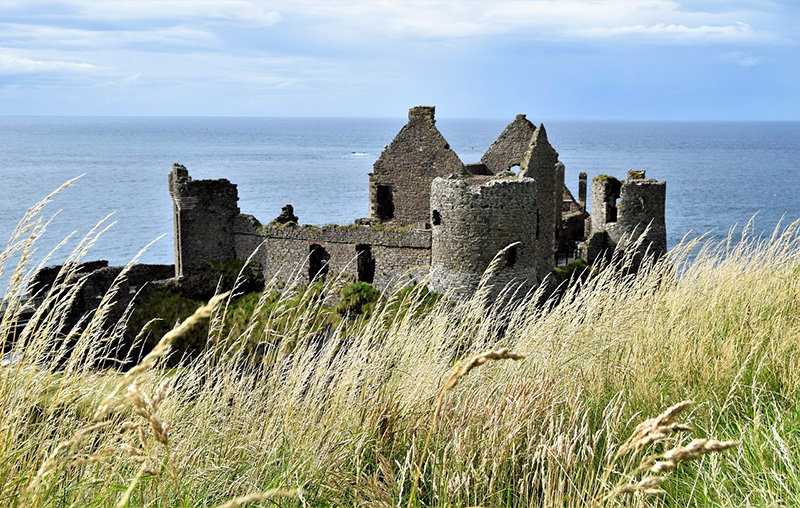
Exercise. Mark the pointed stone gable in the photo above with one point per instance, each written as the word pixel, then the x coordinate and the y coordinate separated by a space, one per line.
pixel 509 149
pixel 400 184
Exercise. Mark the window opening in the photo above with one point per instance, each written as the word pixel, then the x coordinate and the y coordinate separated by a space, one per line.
pixel 511 256
pixel 365 263
pixel 385 202
pixel 318 260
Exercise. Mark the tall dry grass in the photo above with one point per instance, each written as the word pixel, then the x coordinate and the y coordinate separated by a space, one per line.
pixel 358 418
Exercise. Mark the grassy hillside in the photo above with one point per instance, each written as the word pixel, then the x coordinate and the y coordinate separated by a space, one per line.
pixel 377 412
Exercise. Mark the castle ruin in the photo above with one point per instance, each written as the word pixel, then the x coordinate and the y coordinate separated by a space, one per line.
pixel 432 217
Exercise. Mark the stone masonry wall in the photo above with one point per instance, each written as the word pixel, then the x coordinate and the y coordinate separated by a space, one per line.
pixel 642 204
pixel 418 154
pixel 397 254
pixel 558 201
pixel 472 221
pixel 204 212
pixel 539 163
pixel 509 149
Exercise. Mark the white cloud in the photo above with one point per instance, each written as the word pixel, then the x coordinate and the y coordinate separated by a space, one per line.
pixel 710 33
pixel 74 38
pixel 11 64
pixel 353 23
pixel 252 13
pixel 132 79
pixel 542 19
pixel 741 59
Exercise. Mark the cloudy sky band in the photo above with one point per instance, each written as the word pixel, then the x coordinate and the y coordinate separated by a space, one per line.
pixel 565 59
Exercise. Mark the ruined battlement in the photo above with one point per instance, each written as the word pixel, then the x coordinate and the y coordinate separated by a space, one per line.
pixel 377 235
pixel 399 185
pixel 422 114
pixel 509 149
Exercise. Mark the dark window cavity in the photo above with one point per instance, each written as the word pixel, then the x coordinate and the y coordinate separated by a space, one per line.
pixel 318 259
pixel 511 256
pixel 385 202
pixel 365 263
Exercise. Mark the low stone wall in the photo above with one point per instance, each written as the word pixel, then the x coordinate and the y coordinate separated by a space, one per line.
pixel 292 253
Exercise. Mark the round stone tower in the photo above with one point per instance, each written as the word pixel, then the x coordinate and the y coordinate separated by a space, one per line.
pixel 475 218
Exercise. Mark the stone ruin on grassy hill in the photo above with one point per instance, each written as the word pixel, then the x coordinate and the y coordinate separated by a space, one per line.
pixel 432 218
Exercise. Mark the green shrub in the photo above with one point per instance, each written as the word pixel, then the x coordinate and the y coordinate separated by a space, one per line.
pixel 358 298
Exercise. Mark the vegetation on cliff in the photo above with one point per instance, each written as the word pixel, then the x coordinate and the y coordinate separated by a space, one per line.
pixel 384 413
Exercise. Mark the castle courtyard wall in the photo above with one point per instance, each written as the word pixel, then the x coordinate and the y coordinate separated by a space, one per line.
pixel 284 251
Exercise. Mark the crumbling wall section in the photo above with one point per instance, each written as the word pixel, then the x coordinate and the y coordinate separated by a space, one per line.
pixel 509 149
pixel 624 211
pixel 605 193
pixel 558 202
pixel 641 211
pixel 573 219
pixel 399 186
pixel 204 213
pixel 474 219
pixel 396 255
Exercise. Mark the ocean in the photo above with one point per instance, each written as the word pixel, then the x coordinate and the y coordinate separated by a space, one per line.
pixel 718 174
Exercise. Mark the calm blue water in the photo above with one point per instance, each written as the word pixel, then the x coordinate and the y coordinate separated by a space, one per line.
pixel 718 174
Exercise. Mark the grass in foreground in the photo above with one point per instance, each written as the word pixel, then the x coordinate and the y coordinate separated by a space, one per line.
pixel 361 418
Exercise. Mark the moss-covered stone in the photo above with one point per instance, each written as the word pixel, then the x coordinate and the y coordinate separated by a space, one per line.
pixel 605 179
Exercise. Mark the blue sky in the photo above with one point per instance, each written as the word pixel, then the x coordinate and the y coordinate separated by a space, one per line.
pixel 556 59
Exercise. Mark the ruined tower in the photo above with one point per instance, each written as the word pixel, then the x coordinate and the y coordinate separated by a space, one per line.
pixel 472 220
pixel 539 163
pixel 399 186
pixel 204 212
pixel 623 211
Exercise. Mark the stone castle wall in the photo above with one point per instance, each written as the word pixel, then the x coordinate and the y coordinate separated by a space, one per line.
pixel 623 211
pixel 423 224
pixel 404 171
pixel 472 221
pixel 287 252
pixel 539 163
pixel 203 212
pixel 642 206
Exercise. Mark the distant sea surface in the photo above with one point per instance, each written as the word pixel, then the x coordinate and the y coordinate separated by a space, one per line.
pixel 718 174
